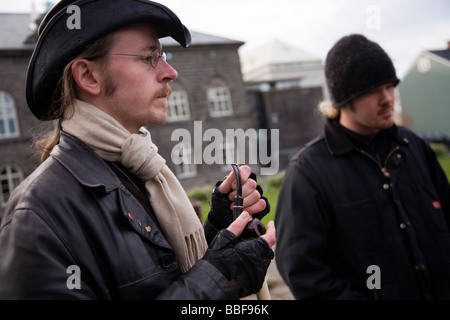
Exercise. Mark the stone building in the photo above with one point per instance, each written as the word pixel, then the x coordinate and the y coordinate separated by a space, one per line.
pixel 285 84
pixel 209 93
pixel 17 125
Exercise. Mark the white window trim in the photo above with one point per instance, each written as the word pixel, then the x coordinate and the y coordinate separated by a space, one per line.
pixel 6 118
pixel 186 169
pixel 228 151
pixel 219 105
pixel 178 101
pixel 12 173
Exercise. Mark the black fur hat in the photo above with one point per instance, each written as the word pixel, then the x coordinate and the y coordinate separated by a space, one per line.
pixel 354 66
pixel 58 44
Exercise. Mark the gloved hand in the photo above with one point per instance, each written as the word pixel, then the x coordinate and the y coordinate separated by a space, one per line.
pixel 245 262
pixel 221 215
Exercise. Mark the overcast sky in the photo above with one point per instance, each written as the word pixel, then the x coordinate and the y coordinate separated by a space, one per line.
pixel 403 28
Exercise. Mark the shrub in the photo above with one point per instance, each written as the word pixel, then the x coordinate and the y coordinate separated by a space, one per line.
pixel 274 182
pixel 440 149
pixel 200 194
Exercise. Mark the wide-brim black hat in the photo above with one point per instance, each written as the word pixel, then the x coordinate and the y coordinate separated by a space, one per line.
pixel 57 44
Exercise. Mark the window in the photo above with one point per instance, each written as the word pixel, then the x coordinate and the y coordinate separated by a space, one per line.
pixel 9 127
pixel 228 152
pixel 10 177
pixel 424 65
pixel 178 106
pixel 186 169
pixel 219 102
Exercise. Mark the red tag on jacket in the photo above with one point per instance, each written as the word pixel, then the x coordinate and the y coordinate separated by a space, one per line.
pixel 436 204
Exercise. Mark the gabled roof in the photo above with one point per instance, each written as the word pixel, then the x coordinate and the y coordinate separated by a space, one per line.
pixel 442 53
pixel 14 32
pixel 276 61
pixel 199 39
pixel 440 56
pixel 277 52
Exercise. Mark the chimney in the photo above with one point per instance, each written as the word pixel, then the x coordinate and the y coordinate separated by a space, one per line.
pixel 448 45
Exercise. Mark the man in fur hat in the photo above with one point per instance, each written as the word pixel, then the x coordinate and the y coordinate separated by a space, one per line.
pixel 364 209
pixel 103 217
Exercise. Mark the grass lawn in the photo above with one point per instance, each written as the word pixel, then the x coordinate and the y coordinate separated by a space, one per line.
pixel 272 195
pixel 445 163
pixel 271 189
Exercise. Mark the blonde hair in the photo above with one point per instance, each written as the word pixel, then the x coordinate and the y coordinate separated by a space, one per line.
pixel 65 94
pixel 327 109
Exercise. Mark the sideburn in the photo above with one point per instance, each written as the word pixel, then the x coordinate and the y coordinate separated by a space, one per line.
pixel 108 86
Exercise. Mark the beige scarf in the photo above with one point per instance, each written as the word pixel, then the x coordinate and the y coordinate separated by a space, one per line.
pixel 112 142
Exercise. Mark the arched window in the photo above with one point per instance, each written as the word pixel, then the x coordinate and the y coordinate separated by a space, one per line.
pixel 10 177
pixel 178 106
pixel 9 127
pixel 185 169
pixel 219 99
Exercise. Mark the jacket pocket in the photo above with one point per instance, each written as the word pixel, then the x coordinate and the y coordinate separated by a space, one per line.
pixel 422 202
pixel 363 226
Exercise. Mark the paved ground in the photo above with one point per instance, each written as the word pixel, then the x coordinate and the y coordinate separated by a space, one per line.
pixel 277 287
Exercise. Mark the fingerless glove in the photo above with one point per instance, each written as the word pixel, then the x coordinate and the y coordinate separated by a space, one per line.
pixel 220 215
pixel 244 261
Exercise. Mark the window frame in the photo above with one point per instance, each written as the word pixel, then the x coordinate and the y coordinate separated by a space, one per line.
pixel 9 178
pixel 186 169
pixel 8 117
pixel 178 106
pixel 219 101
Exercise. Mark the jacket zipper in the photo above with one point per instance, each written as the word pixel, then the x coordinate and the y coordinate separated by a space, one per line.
pixel 383 167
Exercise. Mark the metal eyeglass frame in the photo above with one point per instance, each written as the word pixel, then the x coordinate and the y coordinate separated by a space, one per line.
pixel 152 58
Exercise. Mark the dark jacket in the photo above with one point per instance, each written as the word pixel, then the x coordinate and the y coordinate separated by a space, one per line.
pixel 74 211
pixel 341 211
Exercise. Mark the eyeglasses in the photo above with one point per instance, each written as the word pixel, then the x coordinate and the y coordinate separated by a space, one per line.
pixel 151 58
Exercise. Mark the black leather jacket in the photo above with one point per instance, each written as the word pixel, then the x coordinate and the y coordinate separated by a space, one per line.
pixel 72 230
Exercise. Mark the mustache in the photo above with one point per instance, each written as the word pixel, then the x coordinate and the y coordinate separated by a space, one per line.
pixel 165 92
pixel 386 107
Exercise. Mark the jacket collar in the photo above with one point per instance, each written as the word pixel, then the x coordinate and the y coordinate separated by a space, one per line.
pixel 92 171
pixel 339 142
pixel 84 164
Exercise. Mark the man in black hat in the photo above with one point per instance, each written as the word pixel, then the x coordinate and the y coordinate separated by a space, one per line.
pixel 103 217
pixel 364 209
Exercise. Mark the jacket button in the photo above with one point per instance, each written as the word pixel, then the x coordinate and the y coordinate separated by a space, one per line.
pixel 386 186
pixel 402 225
pixel 419 267
pixel 167 261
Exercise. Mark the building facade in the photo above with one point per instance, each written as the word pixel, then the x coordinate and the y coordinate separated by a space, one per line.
pixel 285 84
pixel 208 100
pixel 425 92
pixel 18 127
